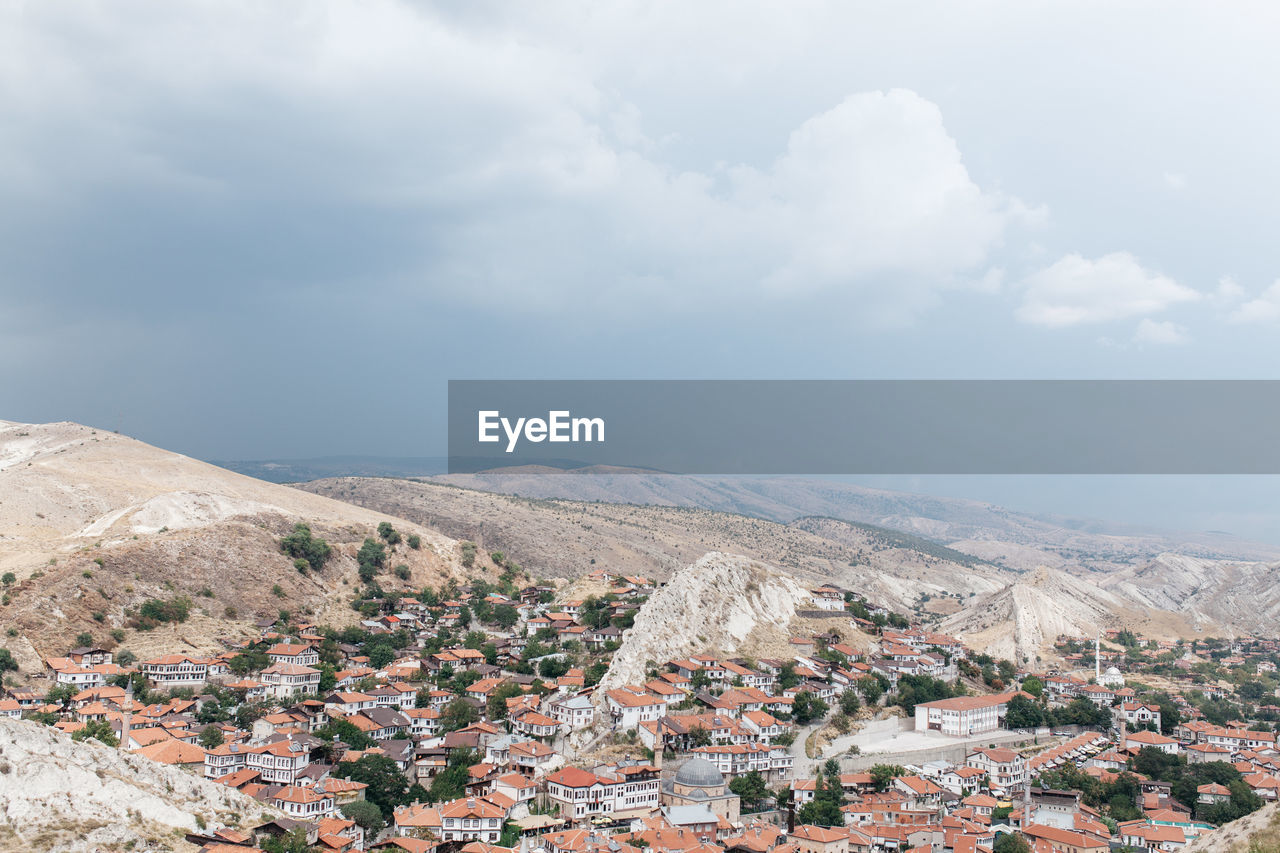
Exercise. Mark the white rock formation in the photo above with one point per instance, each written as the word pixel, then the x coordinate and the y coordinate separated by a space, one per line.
pixel 716 603
pixel 60 795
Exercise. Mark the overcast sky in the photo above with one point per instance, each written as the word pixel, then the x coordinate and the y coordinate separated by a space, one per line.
pixel 253 230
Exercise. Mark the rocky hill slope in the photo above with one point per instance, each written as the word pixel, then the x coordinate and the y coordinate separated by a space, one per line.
pixel 1244 595
pixel 1018 539
pixel 722 602
pixel 1029 614
pixel 59 795
pixel 92 524
pixel 555 538
pixel 1258 832
pixel 994 607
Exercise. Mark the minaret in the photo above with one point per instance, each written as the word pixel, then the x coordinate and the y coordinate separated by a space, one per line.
pixel 1026 800
pixel 1097 659
pixel 126 717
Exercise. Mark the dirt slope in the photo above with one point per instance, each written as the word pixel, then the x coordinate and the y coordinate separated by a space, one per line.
pixel 968 525
pixel 1022 621
pixel 1243 595
pixel 1006 611
pixel 92 524
pixel 557 538
pixel 1259 831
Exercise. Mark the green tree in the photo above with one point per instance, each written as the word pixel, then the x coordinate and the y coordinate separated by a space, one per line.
pixel 1082 712
pixel 7 663
pixel 387 784
pixel 1023 713
pixel 807 707
pixel 154 611
pixel 345 731
pixel 388 533
pixel 1170 716
pixel 824 808
pixel 301 545
pixel 366 814
pixel 1011 842
pixel 552 667
pixel 448 784
pixel 458 714
pixel 882 775
pixel 699 736
pixel 914 689
pixel 252 659
pixel 871 688
pixel 295 841
pixel 380 654
pixel 371 558
pixel 99 730
pixel 211 737
pixel 59 694
pixel 505 616
pixel 496 706
pixel 750 788
pixel 595 672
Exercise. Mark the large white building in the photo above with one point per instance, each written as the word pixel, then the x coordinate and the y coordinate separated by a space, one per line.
pixel 176 671
pixel 579 794
pixel 961 716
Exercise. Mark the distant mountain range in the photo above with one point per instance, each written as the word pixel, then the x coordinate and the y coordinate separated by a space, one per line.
pixel 1017 539
pixel 303 470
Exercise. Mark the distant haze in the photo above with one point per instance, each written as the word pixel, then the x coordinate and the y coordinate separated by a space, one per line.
pixel 1242 507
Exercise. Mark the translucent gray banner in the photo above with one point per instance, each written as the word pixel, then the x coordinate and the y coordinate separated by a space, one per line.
pixel 869 426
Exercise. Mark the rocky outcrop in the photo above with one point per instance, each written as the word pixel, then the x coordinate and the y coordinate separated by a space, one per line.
pixel 60 795
pixel 1243 597
pixel 1259 831
pixel 715 604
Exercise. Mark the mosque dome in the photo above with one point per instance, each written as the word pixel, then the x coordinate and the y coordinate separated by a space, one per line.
pixel 699 773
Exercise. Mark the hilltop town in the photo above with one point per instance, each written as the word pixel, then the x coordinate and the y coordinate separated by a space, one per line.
pixel 490 716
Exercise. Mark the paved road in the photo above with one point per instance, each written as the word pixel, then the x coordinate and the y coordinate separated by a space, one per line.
pixel 802 766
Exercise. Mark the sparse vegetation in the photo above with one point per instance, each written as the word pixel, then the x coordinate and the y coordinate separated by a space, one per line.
pixel 301 545
pixel 155 611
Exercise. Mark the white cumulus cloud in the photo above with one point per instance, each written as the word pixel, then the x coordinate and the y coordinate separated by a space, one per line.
pixel 1264 310
pixel 1163 332
pixel 1078 290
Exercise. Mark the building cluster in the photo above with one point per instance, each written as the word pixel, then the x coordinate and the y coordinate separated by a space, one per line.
pixel 519 710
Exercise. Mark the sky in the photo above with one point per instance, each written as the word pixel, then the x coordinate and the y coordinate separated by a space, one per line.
pixel 247 230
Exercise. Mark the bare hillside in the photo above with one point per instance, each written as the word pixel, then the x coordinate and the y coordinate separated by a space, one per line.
pixel 93 523
pixel 557 538
pixel 1013 613
pixel 1258 832
pixel 1019 539
pixel 1025 618
pixel 1243 595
